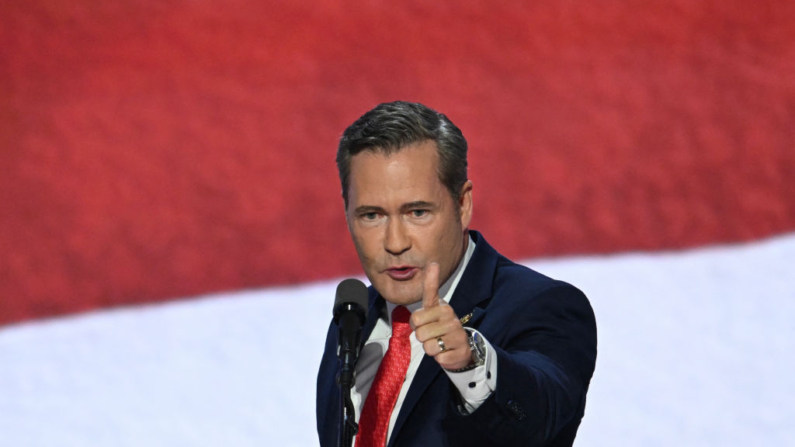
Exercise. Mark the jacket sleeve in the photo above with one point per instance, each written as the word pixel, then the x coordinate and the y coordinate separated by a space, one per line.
pixel 546 355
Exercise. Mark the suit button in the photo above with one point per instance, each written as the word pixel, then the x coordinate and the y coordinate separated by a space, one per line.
pixel 517 410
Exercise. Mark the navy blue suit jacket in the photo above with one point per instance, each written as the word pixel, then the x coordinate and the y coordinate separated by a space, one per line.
pixel 544 335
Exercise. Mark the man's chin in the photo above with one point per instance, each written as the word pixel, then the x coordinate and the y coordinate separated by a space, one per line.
pixel 401 294
pixel 400 301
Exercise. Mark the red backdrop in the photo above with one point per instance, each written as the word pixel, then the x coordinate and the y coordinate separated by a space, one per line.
pixel 152 150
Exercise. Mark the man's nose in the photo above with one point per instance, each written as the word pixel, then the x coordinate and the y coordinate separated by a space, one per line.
pixel 396 240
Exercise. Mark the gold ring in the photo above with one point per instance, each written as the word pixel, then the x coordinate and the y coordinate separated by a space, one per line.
pixel 440 342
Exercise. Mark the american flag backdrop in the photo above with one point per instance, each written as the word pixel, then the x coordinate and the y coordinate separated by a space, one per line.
pixel 171 227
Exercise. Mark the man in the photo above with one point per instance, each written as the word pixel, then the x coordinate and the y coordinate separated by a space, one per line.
pixel 461 346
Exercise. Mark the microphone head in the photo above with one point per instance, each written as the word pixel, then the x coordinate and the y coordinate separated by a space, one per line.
pixel 351 292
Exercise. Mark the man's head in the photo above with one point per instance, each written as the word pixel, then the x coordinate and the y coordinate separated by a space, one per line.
pixel 391 126
pixel 407 199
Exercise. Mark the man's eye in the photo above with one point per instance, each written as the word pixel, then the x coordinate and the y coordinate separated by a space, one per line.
pixel 419 213
pixel 370 216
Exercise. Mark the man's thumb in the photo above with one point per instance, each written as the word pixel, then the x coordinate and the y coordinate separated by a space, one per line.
pixel 430 295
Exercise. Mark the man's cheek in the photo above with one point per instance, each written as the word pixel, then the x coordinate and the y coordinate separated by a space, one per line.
pixel 361 249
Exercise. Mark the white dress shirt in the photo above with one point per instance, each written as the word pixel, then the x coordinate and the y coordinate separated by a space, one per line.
pixel 484 377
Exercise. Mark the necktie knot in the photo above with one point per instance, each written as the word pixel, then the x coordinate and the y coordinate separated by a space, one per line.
pixel 400 322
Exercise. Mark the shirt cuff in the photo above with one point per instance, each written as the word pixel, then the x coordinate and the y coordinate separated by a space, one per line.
pixel 476 385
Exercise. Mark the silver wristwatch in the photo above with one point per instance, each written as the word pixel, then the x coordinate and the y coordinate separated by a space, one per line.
pixel 478 347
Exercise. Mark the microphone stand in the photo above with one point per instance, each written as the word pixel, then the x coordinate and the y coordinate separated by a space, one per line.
pixel 349 337
pixel 348 425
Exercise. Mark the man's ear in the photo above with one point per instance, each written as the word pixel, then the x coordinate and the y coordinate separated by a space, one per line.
pixel 465 204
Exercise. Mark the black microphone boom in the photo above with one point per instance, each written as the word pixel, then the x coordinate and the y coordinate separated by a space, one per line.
pixel 350 311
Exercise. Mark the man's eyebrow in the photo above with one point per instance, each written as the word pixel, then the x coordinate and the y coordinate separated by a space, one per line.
pixel 364 209
pixel 416 204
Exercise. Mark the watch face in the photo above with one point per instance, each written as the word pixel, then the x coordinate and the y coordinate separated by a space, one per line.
pixel 478 348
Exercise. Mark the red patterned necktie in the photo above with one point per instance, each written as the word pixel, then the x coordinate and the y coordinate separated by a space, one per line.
pixel 374 421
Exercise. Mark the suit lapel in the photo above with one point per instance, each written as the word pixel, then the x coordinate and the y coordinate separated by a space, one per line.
pixel 473 290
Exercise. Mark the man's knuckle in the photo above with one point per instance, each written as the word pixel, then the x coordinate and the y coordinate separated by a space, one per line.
pixel 421 335
pixel 451 326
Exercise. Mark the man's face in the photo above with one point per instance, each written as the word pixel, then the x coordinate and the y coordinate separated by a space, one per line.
pixel 402 218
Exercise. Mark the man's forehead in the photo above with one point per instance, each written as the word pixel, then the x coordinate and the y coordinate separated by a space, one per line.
pixel 408 175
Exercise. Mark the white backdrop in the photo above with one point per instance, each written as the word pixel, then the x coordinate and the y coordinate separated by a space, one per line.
pixel 695 348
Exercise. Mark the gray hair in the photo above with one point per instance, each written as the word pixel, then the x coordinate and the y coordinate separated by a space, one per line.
pixel 390 127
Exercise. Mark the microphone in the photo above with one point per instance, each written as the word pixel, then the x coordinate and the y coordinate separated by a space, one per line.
pixel 350 311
